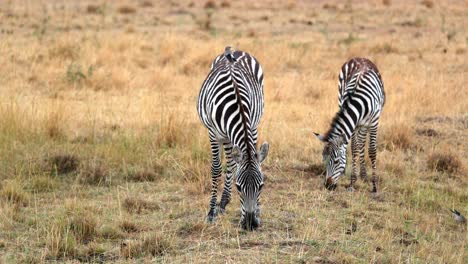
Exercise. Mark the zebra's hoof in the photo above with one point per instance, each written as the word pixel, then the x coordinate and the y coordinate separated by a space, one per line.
pixel 222 210
pixel 210 219
pixel 222 207
pixel 350 189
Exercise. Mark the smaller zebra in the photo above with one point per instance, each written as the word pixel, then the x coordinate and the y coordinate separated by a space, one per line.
pixel 361 99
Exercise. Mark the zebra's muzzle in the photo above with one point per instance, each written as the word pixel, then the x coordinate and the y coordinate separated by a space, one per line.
pixel 250 222
pixel 330 184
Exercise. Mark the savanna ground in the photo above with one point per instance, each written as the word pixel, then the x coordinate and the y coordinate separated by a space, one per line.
pixel 103 158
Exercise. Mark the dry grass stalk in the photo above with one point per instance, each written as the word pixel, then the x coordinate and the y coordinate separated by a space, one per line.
pixel 138 205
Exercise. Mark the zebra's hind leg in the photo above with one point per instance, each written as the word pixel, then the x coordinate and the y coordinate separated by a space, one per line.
pixel 355 156
pixel 373 156
pixel 231 168
pixel 215 174
pixel 362 136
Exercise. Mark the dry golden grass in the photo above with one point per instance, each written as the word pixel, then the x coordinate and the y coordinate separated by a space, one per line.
pixel 444 162
pixel 129 227
pixel 138 205
pixel 13 192
pixel 103 157
pixel 153 245
pixel 125 9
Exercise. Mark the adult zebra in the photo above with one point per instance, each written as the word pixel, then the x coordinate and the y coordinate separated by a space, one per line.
pixel 361 99
pixel 230 105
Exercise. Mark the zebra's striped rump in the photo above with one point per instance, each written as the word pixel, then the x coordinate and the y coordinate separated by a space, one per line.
pixel 230 105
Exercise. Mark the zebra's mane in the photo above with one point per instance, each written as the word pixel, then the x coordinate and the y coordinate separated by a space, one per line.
pixel 333 131
pixel 327 136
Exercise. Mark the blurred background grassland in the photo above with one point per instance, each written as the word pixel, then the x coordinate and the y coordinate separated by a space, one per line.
pixel 103 158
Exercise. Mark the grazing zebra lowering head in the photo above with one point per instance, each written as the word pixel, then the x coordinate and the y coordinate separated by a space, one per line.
pixel 230 105
pixel 361 99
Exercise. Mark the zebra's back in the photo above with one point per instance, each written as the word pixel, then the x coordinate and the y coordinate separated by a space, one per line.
pixel 360 75
pixel 232 95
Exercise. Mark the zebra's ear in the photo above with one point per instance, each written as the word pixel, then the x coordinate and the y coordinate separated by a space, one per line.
pixel 320 137
pixel 236 154
pixel 263 152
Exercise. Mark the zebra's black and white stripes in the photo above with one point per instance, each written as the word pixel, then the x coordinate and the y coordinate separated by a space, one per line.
pixel 361 99
pixel 230 105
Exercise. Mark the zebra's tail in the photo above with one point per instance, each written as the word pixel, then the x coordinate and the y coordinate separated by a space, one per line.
pixel 229 54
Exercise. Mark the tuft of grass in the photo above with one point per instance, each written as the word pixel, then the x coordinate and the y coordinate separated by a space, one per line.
pixel 94 173
pixel 329 6
pixel 63 163
pixel 427 3
pixel 53 125
pixel 143 176
pixel 139 205
pixel 206 22
pixel 65 51
pixel 349 40
pixel 170 135
pixel 9 215
pixel 210 4
pixel 109 232
pixel 92 253
pixel 398 137
pixel 42 183
pixel 225 4
pixel 94 9
pixel 146 4
pixel 386 48
pixel 59 242
pixel 126 10
pixel 395 168
pixel 77 76
pixel 76 226
pixel 149 245
pixel 83 226
pixel 129 226
pixel 444 162
pixel 190 228
pixel 13 192
pixel 317 169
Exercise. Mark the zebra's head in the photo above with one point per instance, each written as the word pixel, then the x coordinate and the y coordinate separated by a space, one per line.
pixel 334 157
pixel 249 184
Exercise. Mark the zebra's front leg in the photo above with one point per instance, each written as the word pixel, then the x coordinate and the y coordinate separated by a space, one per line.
pixel 231 168
pixel 373 156
pixel 215 174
